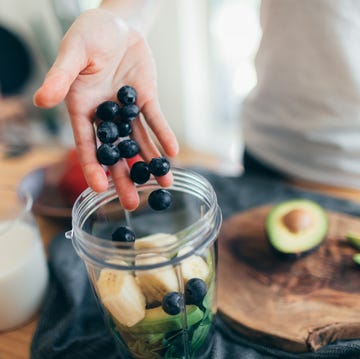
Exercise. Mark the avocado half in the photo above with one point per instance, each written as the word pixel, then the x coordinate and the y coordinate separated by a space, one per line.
pixel 356 258
pixel 354 239
pixel 296 227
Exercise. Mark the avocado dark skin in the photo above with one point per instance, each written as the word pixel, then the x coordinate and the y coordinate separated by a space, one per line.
pixel 296 228
pixel 290 256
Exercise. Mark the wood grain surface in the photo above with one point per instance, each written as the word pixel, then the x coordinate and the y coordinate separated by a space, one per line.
pixel 298 305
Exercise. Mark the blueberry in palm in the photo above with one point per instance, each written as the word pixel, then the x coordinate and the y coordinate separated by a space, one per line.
pixel 127 95
pixel 123 234
pixel 129 112
pixel 159 199
pixel 195 291
pixel 172 303
pixel 159 166
pixel 108 111
pixel 124 127
pixel 107 132
pixel 139 172
pixel 128 148
pixel 107 154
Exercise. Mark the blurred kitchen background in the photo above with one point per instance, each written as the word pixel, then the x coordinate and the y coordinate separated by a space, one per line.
pixel 204 51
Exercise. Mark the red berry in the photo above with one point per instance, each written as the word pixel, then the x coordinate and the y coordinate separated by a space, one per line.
pixel 130 161
pixel 72 182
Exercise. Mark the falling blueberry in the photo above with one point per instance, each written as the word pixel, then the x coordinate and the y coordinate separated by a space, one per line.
pixel 159 166
pixel 127 95
pixel 108 111
pixel 108 154
pixel 159 199
pixel 107 132
pixel 128 148
pixel 123 234
pixel 139 172
pixel 172 303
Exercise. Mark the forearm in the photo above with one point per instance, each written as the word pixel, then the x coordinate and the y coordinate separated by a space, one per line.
pixel 137 13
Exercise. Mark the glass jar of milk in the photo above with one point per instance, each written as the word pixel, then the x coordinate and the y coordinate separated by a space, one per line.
pixel 23 267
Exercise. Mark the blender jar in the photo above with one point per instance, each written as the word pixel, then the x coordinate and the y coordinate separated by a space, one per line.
pixel 174 256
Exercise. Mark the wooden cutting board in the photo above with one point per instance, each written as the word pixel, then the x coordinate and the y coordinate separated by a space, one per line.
pixel 296 305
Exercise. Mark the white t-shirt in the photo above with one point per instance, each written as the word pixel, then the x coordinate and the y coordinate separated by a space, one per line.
pixel 303 117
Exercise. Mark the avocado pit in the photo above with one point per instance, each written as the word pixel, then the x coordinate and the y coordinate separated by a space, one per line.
pixel 297 220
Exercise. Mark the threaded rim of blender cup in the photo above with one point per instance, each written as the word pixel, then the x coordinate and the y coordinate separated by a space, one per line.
pixel 197 235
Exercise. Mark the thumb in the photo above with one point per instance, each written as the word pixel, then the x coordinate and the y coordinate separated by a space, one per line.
pixel 71 60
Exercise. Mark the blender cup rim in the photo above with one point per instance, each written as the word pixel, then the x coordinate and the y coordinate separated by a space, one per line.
pixel 198 234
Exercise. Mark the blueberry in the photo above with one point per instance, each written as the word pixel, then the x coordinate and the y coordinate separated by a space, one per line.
pixel 172 303
pixel 159 199
pixel 107 132
pixel 195 291
pixel 159 166
pixel 129 112
pixel 123 234
pixel 124 127
pixel 107 154
pixel 128 148
pixel 139 172
pixel 108 111
pixel 127 95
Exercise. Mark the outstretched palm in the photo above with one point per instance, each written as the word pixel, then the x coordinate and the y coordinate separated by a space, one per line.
pixel 97 56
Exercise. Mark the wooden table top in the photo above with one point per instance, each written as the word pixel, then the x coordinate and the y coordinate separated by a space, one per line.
pixel 15 344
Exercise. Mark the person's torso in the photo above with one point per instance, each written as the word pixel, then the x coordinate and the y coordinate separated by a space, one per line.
pixel 303 117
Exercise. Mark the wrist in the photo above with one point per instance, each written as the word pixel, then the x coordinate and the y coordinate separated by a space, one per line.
pixel 136 13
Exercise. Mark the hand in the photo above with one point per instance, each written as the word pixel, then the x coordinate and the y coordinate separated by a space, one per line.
pixel 98 55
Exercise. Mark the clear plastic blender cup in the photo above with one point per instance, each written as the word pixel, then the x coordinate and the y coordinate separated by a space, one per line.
pixel 174 255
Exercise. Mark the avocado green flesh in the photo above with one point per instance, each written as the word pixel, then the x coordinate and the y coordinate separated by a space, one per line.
pixel 354 239
pixel 356 258
pixel 286 241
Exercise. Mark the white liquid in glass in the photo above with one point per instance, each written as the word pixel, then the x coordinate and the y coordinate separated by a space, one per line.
pixel 23 273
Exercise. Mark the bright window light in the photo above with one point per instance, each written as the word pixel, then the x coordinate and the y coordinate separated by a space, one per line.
pixel 235 30
pixel 244 79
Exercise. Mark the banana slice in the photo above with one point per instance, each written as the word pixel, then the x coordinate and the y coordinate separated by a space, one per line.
pixel 156 240
pixel 121 296
pixel 193 266
pixel 155 283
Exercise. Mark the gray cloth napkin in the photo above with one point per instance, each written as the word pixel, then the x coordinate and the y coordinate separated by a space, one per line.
pixel 71 326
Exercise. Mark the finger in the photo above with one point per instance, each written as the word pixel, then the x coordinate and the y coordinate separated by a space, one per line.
pixel 148 149
pixel 70 62
pixel 86 147
pixel 156 121
pixel 125 188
